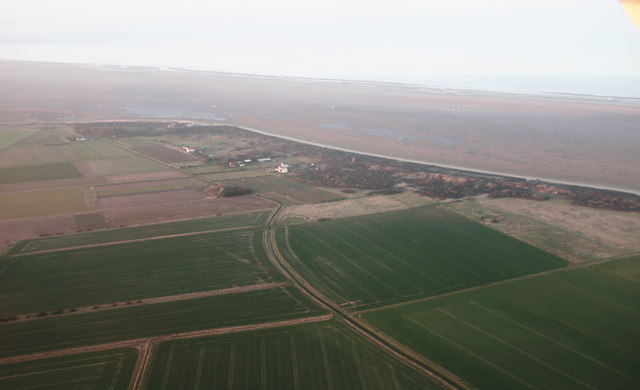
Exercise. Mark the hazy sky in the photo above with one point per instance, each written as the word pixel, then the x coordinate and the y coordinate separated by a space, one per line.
pixel 541 44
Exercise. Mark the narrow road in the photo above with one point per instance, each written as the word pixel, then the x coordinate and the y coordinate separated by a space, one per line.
pixel 410 358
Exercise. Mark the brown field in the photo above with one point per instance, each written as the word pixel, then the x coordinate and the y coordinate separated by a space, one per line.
pixel 20 229
pixel 162 212
pixel 356 206
pixel 117 166
pixel 90 221
pixel 554 137
pixel 165 154
pixel 27 204
pixel 146 176
pixel 152 198
pixel 574 233
pixel 49 184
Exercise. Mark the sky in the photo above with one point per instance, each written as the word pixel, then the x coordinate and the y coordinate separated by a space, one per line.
pixel 581 46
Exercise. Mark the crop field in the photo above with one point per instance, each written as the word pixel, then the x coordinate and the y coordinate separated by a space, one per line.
pixel 148 186
pixel 144 176
pixel 206 207
pixel 386 258
pixel 99 370
pixel 210 169
pixel 285 190
pixel 53 171
pixel 235 174
pixel 138 232
pixel 8 137
pixel 131 322
pixel 45 136
pixel 45 154
pixel 131 271
pixel 145 199
pixel 29 204
pixel 573 329
pixel 165 154
pixel 116 166
pixel 315 356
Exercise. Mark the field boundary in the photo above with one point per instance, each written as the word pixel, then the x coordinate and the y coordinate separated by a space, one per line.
pixel 500 282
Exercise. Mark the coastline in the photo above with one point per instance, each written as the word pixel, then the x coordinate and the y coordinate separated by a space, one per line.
pixel 388 157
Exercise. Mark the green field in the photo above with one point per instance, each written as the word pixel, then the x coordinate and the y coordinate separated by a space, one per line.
pixel 315 356
pixel 137 270
pixel 47 135
pixel 131 233
pixel 285 190
pixel 385 258
pixel 131 322
pixel 573 329
pixel 46 154
pixel 53 171
pixel 99 370
pixel 27 204
pixel 9 137
pixel 122 165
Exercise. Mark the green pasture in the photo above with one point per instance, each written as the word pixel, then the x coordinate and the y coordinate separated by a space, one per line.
pixel 53 171
pixel 573 329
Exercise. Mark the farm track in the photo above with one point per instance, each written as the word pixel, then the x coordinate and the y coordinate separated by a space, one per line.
pixel 157 300
pixel 129 241
pixel 136 343
pixel 145 352
pixel 407 356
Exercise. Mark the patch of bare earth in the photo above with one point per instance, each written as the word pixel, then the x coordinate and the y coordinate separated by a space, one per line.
pixel 356 206
pixel 19 229
pixel 572 232
pixel 47 184
pixel 181 210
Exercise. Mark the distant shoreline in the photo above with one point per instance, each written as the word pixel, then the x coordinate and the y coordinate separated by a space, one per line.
pixel 435 164
pixel 388 157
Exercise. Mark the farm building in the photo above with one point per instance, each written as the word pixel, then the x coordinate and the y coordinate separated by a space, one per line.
pixel 282 168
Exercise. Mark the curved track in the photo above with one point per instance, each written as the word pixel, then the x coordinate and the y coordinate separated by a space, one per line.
pixel 430 369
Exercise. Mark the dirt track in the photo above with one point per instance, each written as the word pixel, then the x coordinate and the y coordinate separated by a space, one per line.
pixel 156 300
pixel 129 241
